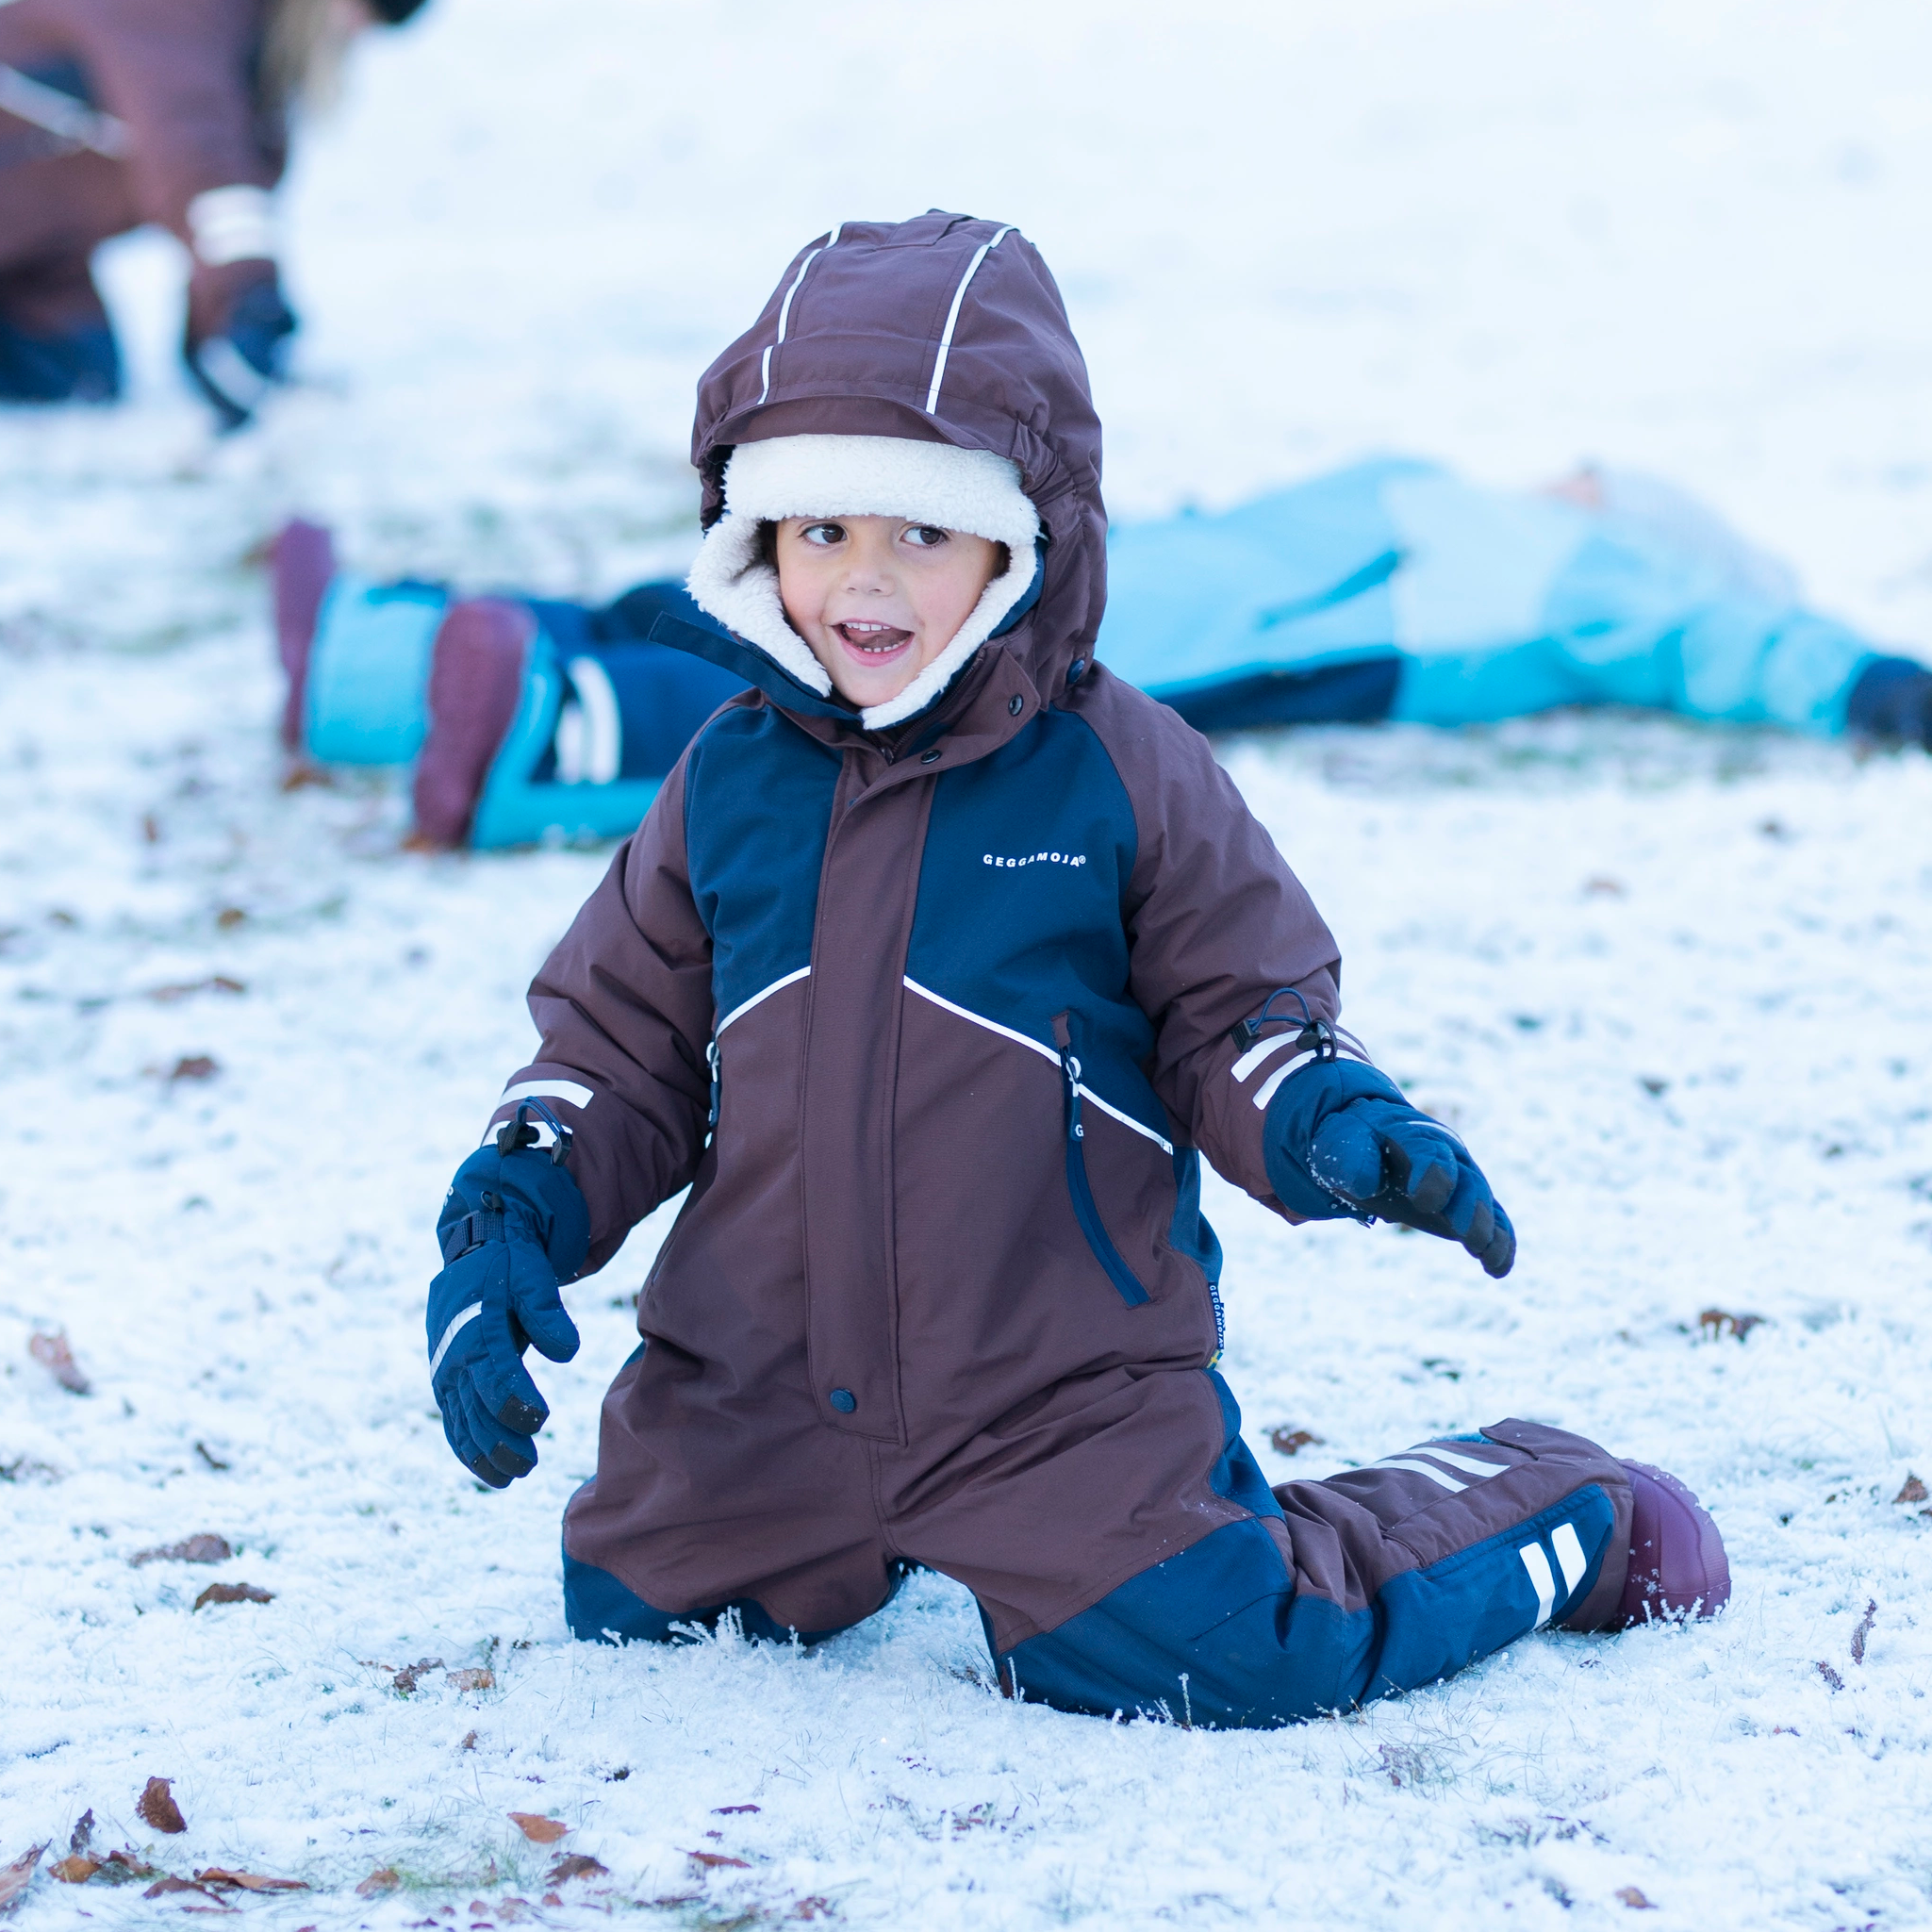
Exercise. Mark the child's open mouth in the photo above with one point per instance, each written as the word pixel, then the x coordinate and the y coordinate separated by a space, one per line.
pixel 871 643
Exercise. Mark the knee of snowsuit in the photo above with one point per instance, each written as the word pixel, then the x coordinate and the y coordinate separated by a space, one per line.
pixel 602 1610
pixel 1327 1596
pixel 603 715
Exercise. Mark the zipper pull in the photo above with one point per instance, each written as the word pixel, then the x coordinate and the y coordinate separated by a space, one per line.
pixel 1069 1072
pixel 1070 1068
pixel 711 1121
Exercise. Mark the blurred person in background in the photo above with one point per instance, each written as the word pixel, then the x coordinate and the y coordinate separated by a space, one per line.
pixel 1392 589
pixel 117 113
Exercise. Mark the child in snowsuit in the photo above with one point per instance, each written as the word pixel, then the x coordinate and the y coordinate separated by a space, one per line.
pixel 118 112
pixel 940 960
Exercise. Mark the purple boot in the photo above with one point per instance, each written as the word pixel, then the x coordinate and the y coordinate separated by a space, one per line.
pixel 475 685
pixel 302 560
pixel 1678 1564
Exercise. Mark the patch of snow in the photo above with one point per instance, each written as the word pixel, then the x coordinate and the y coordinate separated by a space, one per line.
pixel 1670 983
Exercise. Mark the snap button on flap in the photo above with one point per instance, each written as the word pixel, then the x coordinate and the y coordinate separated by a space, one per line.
pixel 1015 704
pixel 844 1401
pixel 1076 670
pixel 929 757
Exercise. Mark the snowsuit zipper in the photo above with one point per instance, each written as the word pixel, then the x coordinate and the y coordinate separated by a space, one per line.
pixel 1085 1211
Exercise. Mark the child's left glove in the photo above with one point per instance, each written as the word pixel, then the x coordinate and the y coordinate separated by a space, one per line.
pixel 1341 1140
pixel 513 1224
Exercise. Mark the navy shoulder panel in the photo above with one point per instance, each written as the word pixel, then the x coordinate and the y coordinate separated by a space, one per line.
pixel 757 805
pixel 1028 851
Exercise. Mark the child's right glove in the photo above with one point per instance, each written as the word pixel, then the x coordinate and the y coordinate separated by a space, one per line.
pixel 1341 1140
pixel 513 1224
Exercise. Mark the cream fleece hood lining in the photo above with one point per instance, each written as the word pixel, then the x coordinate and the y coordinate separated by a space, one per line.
pixel 971 490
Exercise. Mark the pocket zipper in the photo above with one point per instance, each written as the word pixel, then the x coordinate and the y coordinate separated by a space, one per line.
pixel 1084 1209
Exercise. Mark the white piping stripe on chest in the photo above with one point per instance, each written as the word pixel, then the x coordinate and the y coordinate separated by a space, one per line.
pixel 993 1026
pixel 739 1011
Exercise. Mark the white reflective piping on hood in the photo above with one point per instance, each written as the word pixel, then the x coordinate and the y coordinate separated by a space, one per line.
pixel 952 317
pixel 993 1026
pixel 784 309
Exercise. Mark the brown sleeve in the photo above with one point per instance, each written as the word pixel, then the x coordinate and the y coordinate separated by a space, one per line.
pixel 178 72
pixel 1217 924
pixel 625 1007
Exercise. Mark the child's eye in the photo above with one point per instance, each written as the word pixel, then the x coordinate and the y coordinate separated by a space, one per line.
pixel 925 535
pixel 823 534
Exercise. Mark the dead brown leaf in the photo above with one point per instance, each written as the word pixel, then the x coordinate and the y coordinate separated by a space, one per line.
pixel 1715 1322
pixel 384 1878
pixel 1913 1492
pixel 229 917
pixel 215 982
pixel 469 1743
pixel 1831 1676
pixel 163 1885
pixel 539 1829
pixel 1604 887
pixel 1634 1899
pixel 56 1355
pixel 471 1680
pixel 712 1860
pixel 1286 1439
pixel 247 1881
pixel 196 1066
pixel 76 1869
pixel 234 1593
pixel 730 1811
pixel 123 1868
pixel 811 1909
pixel 16 1877
pixel 205 1548
pixel 1864 1630
pixel 157 1807
pixel 406 1678
pixel 575 1865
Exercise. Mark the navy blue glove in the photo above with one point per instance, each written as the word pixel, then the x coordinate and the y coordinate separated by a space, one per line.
pixel 237 367
pixel 1341 1140
pixel 513 1224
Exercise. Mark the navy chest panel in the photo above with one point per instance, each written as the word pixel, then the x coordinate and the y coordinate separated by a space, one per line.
pixel 757 801
pixel 1028 854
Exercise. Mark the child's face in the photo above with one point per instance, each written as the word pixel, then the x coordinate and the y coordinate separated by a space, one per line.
pixel 878 598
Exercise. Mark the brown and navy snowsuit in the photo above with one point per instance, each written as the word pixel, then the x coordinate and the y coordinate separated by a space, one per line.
pixel 936 1024
pixel 114 113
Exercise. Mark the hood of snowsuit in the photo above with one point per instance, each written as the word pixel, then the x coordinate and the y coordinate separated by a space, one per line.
pixel 941 329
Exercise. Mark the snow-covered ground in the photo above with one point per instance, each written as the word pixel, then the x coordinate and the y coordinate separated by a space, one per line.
pixel 1673 984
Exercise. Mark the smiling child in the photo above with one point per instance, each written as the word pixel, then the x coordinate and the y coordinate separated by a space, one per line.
pixel 939 962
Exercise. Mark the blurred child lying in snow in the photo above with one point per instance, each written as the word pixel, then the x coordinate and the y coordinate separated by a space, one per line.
pixel 939 960
pixel 1393 589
